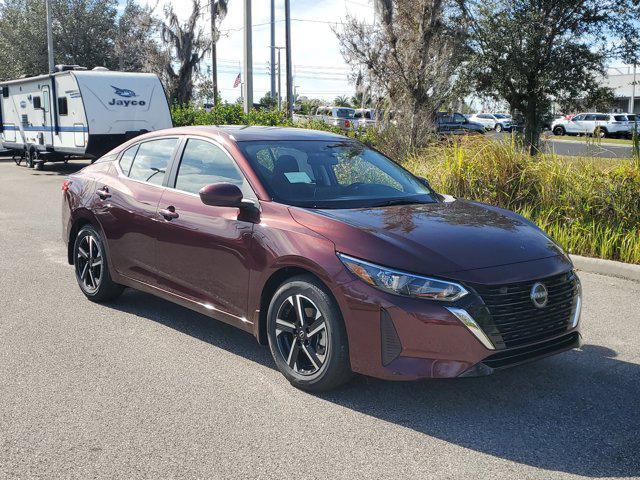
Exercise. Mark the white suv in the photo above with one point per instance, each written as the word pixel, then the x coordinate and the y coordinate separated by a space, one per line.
pixel 598 124
pixel 493 121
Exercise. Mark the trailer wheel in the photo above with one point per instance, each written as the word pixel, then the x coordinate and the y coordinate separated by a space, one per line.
pixel 18 157
pixel 30 156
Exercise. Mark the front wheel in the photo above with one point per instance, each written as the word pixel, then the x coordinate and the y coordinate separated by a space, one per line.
pixel 307 336
pixel 92 271
pixel 498 128
pixel 558 131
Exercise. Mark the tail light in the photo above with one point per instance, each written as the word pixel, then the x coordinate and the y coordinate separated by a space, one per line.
pixel 65 185
pixel 347 123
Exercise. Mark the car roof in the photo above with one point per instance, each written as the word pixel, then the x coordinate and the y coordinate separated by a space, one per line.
pixel 245 133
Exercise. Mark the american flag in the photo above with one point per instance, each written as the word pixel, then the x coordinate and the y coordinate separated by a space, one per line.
pixel 237 81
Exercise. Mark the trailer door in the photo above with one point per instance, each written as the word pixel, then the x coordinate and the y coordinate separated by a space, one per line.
pixel 48 116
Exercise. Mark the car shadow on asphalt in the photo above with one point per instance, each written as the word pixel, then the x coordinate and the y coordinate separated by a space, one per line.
pixel 577 412
pixel 52 169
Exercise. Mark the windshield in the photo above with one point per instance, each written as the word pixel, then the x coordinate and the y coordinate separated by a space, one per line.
pixel 345 112
pixel 338 174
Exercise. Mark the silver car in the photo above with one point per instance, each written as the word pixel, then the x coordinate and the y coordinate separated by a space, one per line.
pixel 342 117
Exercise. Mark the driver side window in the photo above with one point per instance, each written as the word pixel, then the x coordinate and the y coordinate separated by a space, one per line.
pixel 204 163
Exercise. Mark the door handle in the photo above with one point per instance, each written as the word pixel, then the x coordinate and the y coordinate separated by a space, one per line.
pixel 103 193
pixel 169 213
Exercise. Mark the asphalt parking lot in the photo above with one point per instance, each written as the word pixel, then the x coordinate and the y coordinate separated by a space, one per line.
pixel 142 388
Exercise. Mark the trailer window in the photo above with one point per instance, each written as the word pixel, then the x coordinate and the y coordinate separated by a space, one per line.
pixel 37 102
pixel 63 106
pixel 5 92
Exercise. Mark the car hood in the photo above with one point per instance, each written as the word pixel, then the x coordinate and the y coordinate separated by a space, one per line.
pixel 430 239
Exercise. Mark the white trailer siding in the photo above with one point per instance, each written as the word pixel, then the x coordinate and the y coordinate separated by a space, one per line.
pixel 81 112
pixel 118 102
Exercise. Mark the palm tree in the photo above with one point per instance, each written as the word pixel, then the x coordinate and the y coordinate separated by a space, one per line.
pixel 341 101
pixel 188 46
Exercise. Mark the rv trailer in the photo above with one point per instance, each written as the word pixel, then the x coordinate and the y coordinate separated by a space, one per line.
pixel 78 112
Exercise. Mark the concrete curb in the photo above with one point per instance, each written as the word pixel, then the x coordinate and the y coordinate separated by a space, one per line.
pixel 628 271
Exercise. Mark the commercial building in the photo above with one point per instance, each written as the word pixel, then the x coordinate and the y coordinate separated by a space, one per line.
pixel 624 82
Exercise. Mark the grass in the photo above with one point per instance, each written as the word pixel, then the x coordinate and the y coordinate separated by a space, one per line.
pixel 589 207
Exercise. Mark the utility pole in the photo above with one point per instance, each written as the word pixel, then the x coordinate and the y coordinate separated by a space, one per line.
pixel 633 90
pixel 214 59
pixel 248 58
pixel 279 78
pixel 273 48
pixel 52 66
pixel 287 21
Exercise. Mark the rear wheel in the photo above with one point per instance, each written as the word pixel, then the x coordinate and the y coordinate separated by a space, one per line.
pixel 601 132
pixel 29 156
pixel 307 336
pixel 92 271
pixel 498 127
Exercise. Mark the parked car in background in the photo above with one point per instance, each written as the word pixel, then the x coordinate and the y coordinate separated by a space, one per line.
pixel 331 253
pixel 493 121
pixel 342 117
pixel 596 124
pixel 448 123
pixel 634 123
pixel 366 117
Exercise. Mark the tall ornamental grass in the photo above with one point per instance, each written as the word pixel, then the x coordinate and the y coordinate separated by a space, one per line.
pixel 589 206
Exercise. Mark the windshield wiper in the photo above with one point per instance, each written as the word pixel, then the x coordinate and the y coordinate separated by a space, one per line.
pixel 399 201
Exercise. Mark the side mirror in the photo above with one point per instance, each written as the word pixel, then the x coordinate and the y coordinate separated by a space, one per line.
pixel 221 195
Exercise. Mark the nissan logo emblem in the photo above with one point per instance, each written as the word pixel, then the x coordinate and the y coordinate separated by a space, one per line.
pixel 539 295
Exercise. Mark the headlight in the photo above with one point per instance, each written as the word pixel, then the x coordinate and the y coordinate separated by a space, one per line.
pixel 401 283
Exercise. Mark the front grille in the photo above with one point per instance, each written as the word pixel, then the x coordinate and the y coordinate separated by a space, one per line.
pixel 514 320
pixel 519 355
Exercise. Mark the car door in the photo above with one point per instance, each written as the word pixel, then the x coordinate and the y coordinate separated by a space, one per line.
pixel 575 124
pixel 203 250
pixel 588 124
pixel 128 207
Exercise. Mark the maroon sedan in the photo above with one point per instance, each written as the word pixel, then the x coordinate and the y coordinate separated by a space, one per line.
pixel 334 255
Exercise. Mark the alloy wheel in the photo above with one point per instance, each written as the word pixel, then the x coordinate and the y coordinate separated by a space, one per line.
pixel 89 263
pixel 302 335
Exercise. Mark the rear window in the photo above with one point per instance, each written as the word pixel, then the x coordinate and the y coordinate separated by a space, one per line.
pixel 127 159
pixel 151 160
pixel 344 112
pixel 620 118
pixel 602 118
pixel 631 118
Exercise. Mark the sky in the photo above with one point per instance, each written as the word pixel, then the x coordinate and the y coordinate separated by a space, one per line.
pixel 318 67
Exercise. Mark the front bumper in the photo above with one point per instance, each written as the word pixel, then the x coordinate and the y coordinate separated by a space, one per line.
pixel 400 338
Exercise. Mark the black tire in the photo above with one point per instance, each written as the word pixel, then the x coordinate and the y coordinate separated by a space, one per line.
pixel 29 157
pixel 559 131
pixel 39 165
pixel 601 132
pixel 314 362
pixel 91 268
pixel 499 127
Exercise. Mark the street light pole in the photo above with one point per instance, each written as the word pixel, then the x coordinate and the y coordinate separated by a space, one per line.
pixel 287 21
pixel 273 49
pixel 52 66
pixel 214 59
pixel 248 58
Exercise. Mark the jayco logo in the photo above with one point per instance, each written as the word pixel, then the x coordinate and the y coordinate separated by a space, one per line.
pixel 125 93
